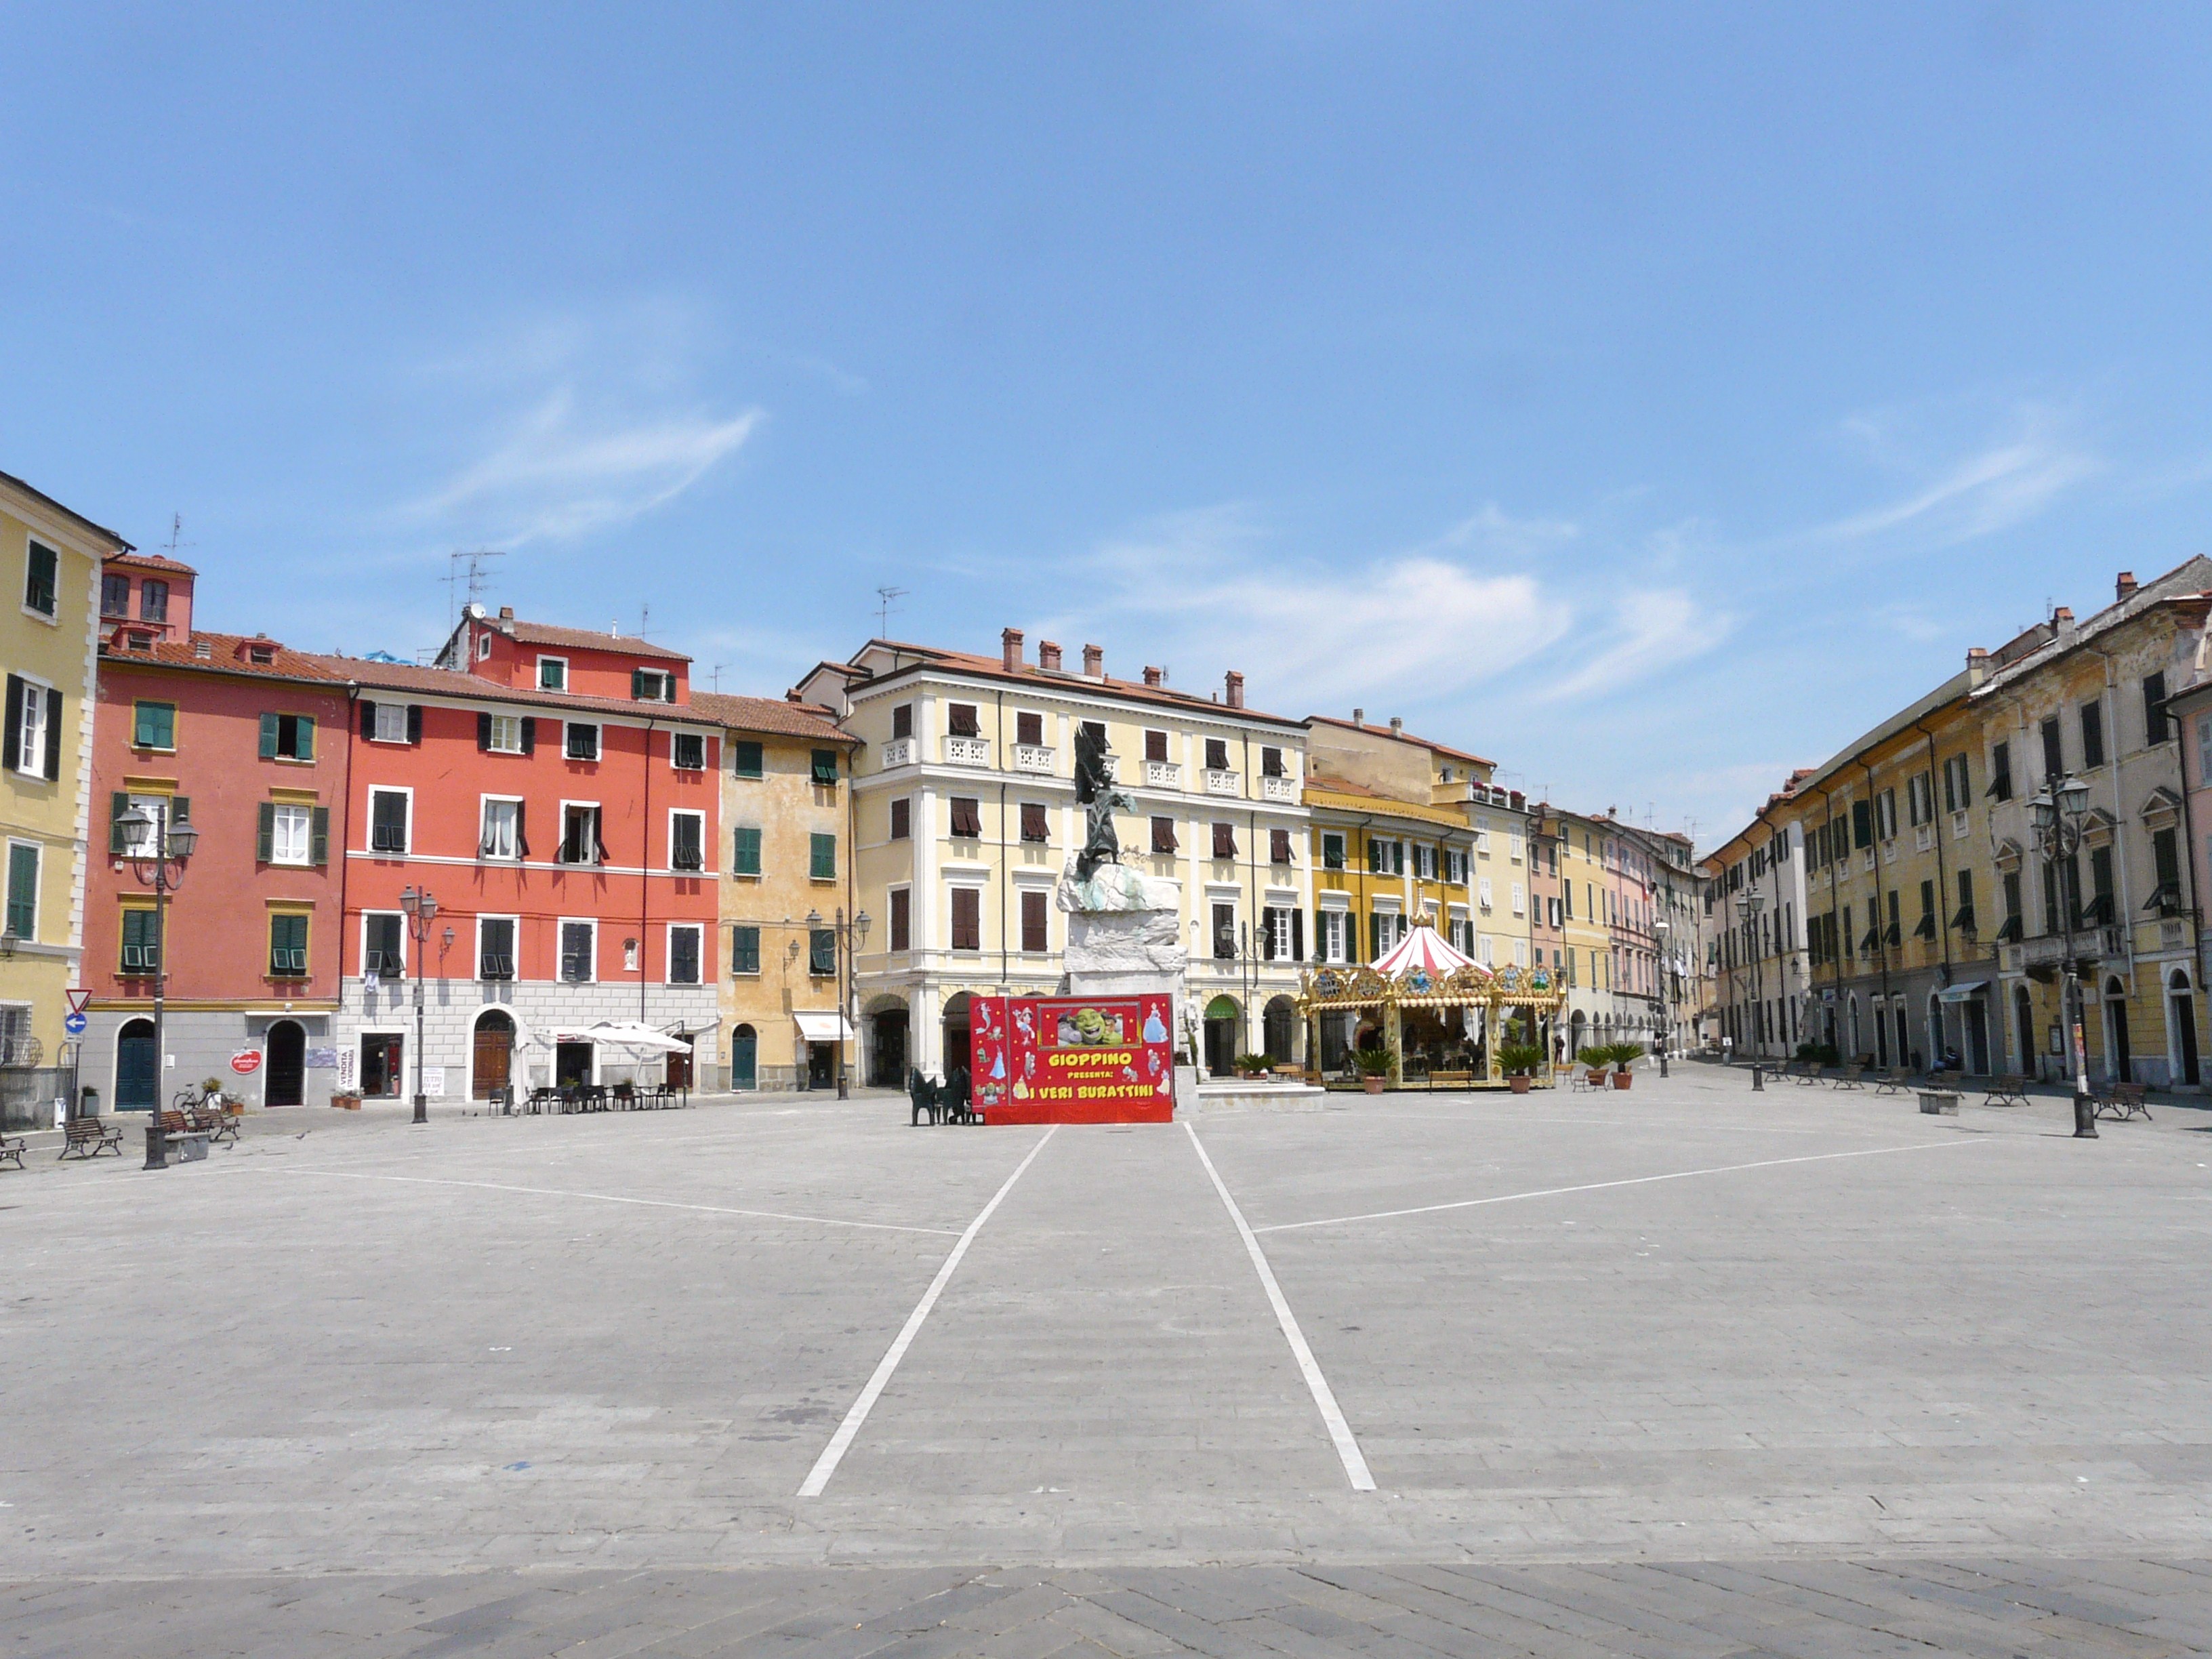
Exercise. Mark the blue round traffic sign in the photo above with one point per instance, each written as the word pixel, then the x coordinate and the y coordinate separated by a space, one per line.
pixel 74 1023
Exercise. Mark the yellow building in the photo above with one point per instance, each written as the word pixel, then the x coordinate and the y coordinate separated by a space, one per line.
pixel 51 642
pixel 786 882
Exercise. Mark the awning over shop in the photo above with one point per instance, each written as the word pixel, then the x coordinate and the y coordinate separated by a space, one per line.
pixel 628 1034
pixel 1972 987
pixel 824 1026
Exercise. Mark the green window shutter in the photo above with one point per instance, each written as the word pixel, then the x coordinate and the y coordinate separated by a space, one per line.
pixel 745 760
pixel 744 949
pixel 319 849
pixel 23 891
pixel 822 862
pixel 307 737
pixel 825 766
pixel 118 805
pixel 265 835
pixel 180 809
pixel 11 738
pixel 747 861
pixel 269 737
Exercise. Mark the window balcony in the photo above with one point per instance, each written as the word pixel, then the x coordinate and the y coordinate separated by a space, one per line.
pixel 1279 788
pixel 967 751
pixel 1222 783
pixel 1034 757
pixel 1163 775
pixel 899 751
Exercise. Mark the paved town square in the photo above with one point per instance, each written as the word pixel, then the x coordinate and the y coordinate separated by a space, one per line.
pixel 354 1386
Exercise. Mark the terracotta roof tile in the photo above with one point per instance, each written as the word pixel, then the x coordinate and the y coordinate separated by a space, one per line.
pixel 585 639
pixel 150 561
pixel 992 668
pixel 1400 736
pixel 778 715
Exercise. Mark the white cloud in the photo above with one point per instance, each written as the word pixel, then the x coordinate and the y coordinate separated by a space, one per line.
pixel 2003 483
pixel 1412 627
pixel 558 477
pixel 1652 630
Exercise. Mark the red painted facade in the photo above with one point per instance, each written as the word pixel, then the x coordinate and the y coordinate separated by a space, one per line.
pixel 218 933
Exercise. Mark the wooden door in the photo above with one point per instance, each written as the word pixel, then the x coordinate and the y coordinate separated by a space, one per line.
pixel 494 1055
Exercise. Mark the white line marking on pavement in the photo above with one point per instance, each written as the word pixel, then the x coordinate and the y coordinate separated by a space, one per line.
pixel 1347 1448
pixel 617 1198
pixel 1601 1186
pixel 826 1465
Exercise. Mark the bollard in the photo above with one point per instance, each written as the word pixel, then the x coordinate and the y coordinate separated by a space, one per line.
pixel 1757 1078
pixel 2084 1117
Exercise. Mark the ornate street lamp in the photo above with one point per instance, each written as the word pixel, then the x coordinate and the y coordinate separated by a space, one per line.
pixel 421 910
pixel 2057 816
pixel 158 851
pixel 1748 905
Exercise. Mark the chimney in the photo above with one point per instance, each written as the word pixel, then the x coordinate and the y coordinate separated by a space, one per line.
pixel 507 613
pixel 2062 618
pixel 2124 588
pixel 1233 690
pixel 1047 656
pixel 1359 717
pixel 1094 663
pixel 1397 727
pixel 1153 677
pixel 1978 665
pixel 1010 650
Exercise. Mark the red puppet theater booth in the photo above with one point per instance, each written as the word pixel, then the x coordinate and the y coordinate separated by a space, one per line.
pixel 1073 1060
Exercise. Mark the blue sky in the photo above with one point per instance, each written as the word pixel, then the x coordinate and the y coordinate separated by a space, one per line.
pixel 1647 397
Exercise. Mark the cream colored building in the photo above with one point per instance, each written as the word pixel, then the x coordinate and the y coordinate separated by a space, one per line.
pixel 965 816
pixel 51 556
pixel 786 882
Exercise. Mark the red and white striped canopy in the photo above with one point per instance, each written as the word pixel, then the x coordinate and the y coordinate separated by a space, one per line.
pixel 1424 947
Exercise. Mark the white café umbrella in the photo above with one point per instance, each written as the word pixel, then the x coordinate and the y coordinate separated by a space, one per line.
pixel 628 1034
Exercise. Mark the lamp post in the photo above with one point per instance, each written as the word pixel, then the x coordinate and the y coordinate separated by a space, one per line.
pixel 1748 905
pixel 845 937
pixel 2057 815
pixel 421 910
pixel 159 852
pixel 1665 929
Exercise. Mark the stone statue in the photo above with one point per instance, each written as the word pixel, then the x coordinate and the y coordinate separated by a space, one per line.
pixel 1094 790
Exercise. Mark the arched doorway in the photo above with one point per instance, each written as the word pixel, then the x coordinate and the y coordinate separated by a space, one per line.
pixel 492 1067
pixel 1280 1022
pixel 1224 1022
pixel 2181 1027
pixel 2023 1019
pixel 745 1058
pixel 956 1053
pixel 1576 1027
pixel 887 1045
pixel 285 1064
pixel 135 1072
pixel 2117 1056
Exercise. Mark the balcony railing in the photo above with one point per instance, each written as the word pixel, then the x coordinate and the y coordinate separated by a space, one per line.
pixel 2087 944
pixel 899 751
pixel 1034 758
pixel 1279 788
pixel 1222 783
pixel 967 751
pixel 1163 775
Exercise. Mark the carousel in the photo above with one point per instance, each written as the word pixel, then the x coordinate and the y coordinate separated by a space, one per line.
pixel 1436 1011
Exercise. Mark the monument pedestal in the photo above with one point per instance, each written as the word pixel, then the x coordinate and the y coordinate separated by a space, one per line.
pixel 1125 939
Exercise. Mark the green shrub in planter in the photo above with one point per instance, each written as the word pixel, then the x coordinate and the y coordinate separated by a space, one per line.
pixel 1595 1054
pixel 1253 1063
pixel 1520 1059
pixel 1373 1062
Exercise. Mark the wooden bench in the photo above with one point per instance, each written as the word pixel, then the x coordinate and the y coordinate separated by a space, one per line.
pixel 1895 1081
pixel 1947 1081
pixel 89 1137
pixel 1810 1073
pixel 2122 1101
pixel 1579 1080
pixel 218 1123
pixel 1852 1076
pixel 12 1146
pixel 1451 1079
pixel 2009 1089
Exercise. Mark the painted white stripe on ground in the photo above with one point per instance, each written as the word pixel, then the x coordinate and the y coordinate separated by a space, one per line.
pixel 618 1198
pixel 826 1465
pixel 1340 1432
pixel 1601 1186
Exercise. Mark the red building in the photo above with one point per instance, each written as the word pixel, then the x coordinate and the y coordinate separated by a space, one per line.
pixel 247 742
pixel 550 789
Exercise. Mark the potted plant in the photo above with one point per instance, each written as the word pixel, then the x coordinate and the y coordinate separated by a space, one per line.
pixel 1252 1067
pixel 1374 1068
pixel 1520 1061
pixel 1623 1054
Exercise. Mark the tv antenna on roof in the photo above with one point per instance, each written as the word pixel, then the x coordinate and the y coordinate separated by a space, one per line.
pixel 474 578
pixel 176 535
pixel 885 596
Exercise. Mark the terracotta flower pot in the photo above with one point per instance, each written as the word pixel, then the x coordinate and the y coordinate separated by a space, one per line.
pixel 1372 1085
pixel 1622 1079
pixel 1518 1084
